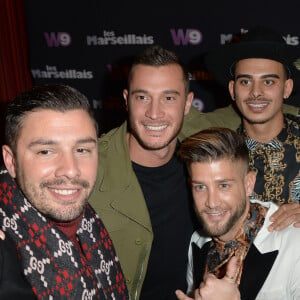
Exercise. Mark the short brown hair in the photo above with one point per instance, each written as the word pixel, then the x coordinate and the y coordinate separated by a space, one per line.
pixel 156 56
pixel 214 144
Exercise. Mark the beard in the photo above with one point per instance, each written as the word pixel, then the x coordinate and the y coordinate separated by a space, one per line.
pixel 37 196
pixel 220 229
pixel 134 130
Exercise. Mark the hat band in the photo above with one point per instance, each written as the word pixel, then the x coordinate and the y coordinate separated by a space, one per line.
pixel 288 71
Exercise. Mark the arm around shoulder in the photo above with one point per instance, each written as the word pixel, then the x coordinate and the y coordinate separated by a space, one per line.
pixel 196 121
pixel 290 109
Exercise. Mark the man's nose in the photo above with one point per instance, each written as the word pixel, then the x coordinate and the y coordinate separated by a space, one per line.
pixel 68 166
pixel 256 91
pixel 212 200
pixel 155 110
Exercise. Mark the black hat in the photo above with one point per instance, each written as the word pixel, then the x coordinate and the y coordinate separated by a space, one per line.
pixel 259 42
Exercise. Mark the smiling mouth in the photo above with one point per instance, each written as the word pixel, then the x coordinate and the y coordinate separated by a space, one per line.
pixel 257 105
pixel 216 213
pixel 65 192
pixel 156 128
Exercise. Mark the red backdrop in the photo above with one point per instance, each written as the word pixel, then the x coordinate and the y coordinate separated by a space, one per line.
pixel 15 75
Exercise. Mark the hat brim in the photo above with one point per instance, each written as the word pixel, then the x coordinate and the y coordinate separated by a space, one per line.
pixel 220 61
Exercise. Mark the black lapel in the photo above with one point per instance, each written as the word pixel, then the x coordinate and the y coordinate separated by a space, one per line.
pixel 256 268
pixel 199 262
pixel 255 271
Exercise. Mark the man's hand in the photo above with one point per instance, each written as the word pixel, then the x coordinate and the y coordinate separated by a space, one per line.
pixel 213 288
pixel 286 214
pixel 182 296
pixel 2 235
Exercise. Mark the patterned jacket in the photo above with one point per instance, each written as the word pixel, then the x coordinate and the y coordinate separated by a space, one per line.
pixel 277 164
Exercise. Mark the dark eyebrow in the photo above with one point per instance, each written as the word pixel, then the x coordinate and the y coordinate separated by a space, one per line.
pixel 219 181
pixel 44 142
pixel 138 91
pixel 145 92
pixel 270 75
pixel 87 140
pixel 226 180
pixel 171 92
pixel 263 76
pixel 196 182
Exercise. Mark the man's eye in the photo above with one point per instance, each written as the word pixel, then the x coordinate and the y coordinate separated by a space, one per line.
pixel 170 98
pixel 268 82
pixel 141 97
pixel 83 150
pixel 245 82
pixel 224 185
pixel 44 152
pixel 199 187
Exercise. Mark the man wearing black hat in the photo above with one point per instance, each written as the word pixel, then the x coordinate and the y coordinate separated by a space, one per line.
pixel 260 72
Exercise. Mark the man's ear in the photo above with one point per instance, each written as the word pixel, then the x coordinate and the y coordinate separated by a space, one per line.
pixel 288 88
pixel 9 160
pixel 188 103
pixel 125 96
pixel 250 182
pixel 231 89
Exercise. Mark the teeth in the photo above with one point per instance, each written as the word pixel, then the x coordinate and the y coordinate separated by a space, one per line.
pixel 157 128
pixel 258 105
pixel 216 213
pixel 64 192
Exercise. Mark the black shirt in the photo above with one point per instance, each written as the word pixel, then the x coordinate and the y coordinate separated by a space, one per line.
pixel 169 202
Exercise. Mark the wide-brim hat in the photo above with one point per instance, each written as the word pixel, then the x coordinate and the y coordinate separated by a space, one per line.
pixel 259 42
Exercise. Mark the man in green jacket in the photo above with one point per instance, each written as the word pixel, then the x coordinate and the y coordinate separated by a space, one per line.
pixel 141 190
pixel 141 193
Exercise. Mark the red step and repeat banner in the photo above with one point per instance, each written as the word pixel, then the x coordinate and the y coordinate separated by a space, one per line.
pixel 89 44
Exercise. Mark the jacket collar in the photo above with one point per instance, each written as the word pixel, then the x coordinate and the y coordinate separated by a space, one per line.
pixel 255 270
pixel 116 176
pixel 261 256
pixel 115 172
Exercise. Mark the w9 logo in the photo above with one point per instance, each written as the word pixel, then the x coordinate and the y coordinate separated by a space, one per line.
pixel 57 39
pixel 185 37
